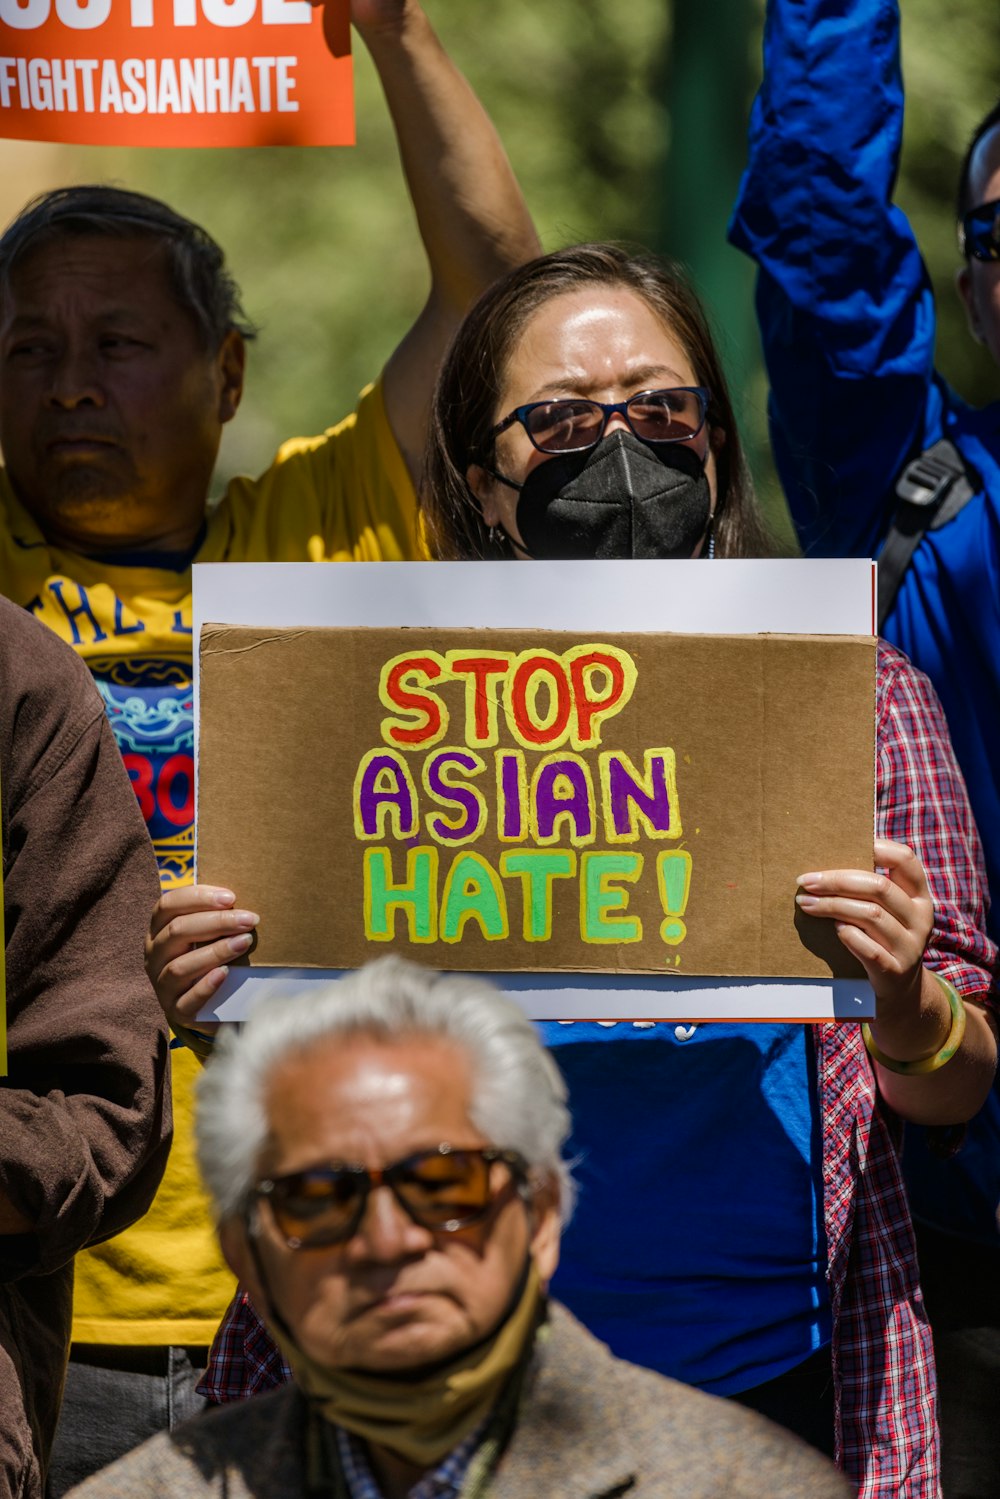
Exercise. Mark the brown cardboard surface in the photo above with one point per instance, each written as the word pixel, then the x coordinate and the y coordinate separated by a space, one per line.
pixel 773 739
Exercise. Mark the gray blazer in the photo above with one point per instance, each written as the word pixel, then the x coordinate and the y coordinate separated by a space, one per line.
pixel 592 1427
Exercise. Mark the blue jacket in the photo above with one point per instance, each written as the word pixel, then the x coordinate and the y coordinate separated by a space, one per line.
pixel 847 319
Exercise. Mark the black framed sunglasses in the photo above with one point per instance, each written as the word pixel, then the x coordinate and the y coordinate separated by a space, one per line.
pixel 444 1189
pixel 570 425
pixel 979 233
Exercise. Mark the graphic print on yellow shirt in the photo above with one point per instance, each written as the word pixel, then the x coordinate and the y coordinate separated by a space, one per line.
pixel 344 496
pixel 151 707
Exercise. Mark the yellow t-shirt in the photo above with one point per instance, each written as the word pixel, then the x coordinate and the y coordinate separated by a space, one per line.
pixel 344 496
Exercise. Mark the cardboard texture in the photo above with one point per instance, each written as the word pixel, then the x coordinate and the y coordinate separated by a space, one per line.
pixel 627 803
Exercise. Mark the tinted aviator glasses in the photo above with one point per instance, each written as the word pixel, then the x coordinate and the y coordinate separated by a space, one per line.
pixel 571 425
pixel 979 236
pixel 444 1190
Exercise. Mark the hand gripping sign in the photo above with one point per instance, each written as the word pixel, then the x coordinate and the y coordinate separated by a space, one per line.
pixel 176 72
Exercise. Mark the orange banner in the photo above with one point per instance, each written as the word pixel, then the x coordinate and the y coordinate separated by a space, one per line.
pixel 177 72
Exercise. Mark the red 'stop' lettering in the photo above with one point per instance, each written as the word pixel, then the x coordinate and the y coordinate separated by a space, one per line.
pixel 414 702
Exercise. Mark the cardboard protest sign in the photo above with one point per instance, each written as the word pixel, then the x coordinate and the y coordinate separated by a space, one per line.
pixel 507 799
pixel 176 72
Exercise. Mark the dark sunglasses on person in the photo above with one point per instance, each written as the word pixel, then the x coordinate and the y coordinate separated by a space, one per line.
pixel 571 425
pixel 444 1190
pixel 979 234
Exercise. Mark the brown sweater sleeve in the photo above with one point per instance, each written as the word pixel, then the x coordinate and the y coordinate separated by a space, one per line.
pixel 85 1109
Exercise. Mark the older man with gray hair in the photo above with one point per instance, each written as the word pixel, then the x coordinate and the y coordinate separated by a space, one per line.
pixel 385 1160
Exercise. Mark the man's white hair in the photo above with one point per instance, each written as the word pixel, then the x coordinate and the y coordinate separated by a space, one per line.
pixel 518 1094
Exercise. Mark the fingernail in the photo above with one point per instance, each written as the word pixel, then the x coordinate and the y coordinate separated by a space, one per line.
pixel 218 976
pixel 807 879
pixel 806 902
pixel 241 943
pixel 246 918
pixel 223 898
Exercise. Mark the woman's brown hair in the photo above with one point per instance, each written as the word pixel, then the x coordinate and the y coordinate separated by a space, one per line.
pixel 468 390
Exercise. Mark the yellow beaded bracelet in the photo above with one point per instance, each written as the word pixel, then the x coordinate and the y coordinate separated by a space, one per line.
pixel 937 1059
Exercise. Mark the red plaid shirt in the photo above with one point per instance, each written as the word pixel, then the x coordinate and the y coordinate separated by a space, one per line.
pixel 887 1439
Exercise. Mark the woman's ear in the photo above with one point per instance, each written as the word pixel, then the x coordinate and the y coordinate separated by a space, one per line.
pixel 484 489
pixel 231 363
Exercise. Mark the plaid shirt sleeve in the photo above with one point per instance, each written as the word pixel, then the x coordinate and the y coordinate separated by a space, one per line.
pixel 927 807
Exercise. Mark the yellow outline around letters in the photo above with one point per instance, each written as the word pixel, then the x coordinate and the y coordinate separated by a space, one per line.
pixel 429 817
pixel 394 818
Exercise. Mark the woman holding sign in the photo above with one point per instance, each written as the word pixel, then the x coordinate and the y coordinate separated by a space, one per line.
pixel 741 1221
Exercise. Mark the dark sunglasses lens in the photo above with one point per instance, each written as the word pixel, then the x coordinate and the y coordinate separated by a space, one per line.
pixel 666 415
pixel 982 232
pixel 564 426
pixel 443 1189
pixel 317 1207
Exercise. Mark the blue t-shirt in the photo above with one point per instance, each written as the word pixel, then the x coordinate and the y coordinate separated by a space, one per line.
pixel 697 1244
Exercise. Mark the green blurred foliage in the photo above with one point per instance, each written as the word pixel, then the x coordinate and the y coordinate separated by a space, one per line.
pixel 324 245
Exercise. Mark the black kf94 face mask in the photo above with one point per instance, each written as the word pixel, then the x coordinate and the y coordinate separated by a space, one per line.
pixel 621 498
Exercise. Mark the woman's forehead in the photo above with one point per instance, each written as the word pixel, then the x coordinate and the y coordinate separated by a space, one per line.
pixel 595 336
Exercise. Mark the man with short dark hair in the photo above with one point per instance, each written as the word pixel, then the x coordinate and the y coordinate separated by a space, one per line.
pixel 84 1105
pixel 122 351
pixel 385 1161
pixel 878 454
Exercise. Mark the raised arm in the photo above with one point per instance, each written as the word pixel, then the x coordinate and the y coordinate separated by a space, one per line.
pixel 472 217
pixel 843 299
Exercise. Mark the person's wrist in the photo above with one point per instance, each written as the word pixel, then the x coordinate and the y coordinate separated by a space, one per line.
pixel 408 20
pixel 909 1018
pixel 912 1021
pixel 907 1049
pixel 198 1041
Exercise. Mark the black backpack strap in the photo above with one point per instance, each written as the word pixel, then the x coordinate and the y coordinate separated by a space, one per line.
pixel 931 490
